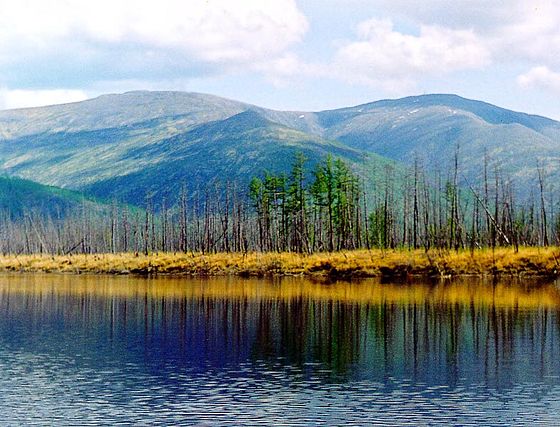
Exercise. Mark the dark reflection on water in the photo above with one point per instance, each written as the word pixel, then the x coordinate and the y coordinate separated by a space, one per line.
pixel 87 350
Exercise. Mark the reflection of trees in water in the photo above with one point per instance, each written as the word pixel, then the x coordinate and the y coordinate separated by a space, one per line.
pixel 436 340
pixel 446 341
pixel 429 339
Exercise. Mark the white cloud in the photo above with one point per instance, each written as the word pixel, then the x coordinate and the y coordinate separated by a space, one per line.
pixel 34 98
pixel 540 77
pixel 534 35
pixel 385 57
pixel 72 43
pixel 481 15
pixel 434 38
pixel 286 69
pixel 511 29
pixel 216 31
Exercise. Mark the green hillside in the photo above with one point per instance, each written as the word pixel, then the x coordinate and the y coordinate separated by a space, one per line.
pixel 20 197
pixel 229 151
pixel 163 142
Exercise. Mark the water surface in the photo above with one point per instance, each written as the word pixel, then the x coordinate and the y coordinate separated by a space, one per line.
pixel 96 349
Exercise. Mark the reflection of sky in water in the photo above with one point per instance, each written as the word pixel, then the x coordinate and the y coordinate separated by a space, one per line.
pixel 100 349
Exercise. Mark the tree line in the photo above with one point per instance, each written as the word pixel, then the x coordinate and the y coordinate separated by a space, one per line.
pixel 329 207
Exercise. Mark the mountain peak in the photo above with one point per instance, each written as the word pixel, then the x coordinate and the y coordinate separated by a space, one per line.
pixel 250 118
pixel 490 113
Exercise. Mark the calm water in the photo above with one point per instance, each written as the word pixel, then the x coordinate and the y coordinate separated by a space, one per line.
pixel 90 350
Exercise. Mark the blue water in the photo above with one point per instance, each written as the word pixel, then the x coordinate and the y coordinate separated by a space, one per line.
pixel 98 350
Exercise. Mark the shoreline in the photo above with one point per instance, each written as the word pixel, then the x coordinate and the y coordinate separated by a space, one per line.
pixel 394 263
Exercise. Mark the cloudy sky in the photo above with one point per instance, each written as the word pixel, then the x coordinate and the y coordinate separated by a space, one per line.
pixel 285 54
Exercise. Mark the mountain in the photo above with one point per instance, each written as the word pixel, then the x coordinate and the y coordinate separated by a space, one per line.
pixel 433 127
pixel 162 110
pixel 138 143
pixel 164 141
pixel 229 151
pixel 74 145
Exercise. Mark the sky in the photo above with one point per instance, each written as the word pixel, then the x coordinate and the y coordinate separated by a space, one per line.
pixel 305 55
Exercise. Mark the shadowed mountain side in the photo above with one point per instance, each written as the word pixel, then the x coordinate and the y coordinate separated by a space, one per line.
pixel 229 151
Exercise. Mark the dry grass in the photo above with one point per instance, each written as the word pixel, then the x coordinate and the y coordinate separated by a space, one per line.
pixel 360 263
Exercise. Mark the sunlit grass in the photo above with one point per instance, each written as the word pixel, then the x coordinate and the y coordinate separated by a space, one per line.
pixel 366 263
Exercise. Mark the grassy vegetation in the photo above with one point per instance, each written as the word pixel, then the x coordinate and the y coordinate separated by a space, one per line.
pixel 358 263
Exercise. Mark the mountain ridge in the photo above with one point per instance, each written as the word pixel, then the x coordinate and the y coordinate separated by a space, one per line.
pixel 139 141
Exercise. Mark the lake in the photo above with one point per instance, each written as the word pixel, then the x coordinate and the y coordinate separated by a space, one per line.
pixel 229 351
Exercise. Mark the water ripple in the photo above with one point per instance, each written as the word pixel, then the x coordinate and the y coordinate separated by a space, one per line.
pixel 128 358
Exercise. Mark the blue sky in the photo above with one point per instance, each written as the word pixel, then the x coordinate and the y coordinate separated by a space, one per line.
pixel 284 54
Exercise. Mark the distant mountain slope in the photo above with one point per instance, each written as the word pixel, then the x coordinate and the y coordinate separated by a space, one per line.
pixel 168 109
pixel 136 143
pixel 226 151
pixel 430 127
pixel 140 143
pixel 487 112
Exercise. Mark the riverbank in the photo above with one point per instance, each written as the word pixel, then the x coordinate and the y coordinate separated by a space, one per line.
pixel 360 263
